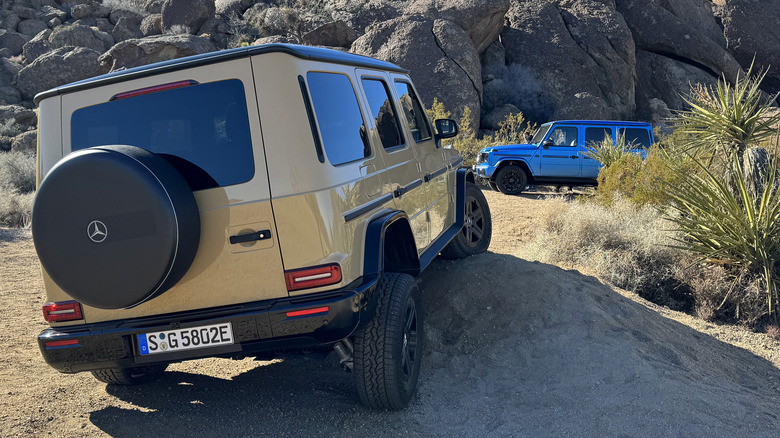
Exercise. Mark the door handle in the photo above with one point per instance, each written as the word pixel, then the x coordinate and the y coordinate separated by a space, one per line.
pixel 250 237
pixel 574 156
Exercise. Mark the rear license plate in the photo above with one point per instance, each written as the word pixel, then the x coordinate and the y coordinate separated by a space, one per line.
pixel 185 339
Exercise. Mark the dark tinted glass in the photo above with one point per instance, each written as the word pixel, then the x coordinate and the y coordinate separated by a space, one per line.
pixel 597 135
pixel 540 133
pixel 413 111
pixel 383 113
pixel 639 137
pixel 338 116
pixel 202 130
pixel 564 136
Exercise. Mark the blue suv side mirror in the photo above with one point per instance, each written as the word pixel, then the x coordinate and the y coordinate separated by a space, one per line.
pixel 547 143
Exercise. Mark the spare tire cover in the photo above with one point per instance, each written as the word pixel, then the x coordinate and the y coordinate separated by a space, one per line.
pixel 115 226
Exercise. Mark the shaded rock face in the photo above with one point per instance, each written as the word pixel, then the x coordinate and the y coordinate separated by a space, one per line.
pixel 58 67
pixel 482 20
pixel 336 34
pixel 439 54
pixel 188 13
pixel 568 59
pixel 26 142
pixel 13 41
pixel 752 28
pixel 137 52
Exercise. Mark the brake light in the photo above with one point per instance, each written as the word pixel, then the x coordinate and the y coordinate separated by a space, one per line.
pixel 307 312
pixel 307 278
pixel 62 343
pixel 155 89
pixel 62 311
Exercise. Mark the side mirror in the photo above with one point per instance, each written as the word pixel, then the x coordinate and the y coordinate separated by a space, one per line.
pixel 547 143
pixel 446 128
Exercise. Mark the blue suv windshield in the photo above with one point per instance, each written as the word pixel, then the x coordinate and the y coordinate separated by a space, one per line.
pixel 540 134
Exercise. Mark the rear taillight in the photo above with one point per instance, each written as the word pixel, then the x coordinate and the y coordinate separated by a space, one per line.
pixel 154 89
pixel 307 278
pixel 62 311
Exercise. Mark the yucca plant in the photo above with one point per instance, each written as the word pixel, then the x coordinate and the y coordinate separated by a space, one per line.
pixel 727 119
pixel 606 152
pixel 735 223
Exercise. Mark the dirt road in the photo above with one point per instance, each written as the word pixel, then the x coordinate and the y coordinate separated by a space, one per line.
pixel 514 348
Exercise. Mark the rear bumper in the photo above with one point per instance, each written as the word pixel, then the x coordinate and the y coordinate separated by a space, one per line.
pixel 257 327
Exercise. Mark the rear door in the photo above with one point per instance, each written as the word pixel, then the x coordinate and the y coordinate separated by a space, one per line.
pixel 562 159
pixel 400 154
pixel 593 136
pixel 208 127
pixel 639 139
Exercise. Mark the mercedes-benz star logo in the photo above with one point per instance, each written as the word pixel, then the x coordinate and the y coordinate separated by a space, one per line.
pixel 97 231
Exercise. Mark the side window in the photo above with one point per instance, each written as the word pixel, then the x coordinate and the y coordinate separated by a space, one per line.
pixel 338 116
pixel 413 111
pixel 564 136
pixel 639 137
pixel 382 111
pixel 597 135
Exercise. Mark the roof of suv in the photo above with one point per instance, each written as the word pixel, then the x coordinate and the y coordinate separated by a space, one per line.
pixel 303 52
pixel 599 122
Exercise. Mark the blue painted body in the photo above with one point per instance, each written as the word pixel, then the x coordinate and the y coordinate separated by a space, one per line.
pixel 566 160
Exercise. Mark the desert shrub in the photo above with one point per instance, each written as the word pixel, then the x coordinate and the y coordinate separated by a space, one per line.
pixel 512 129
pixel 643 182
pixel 626 246
pixel 17 172
pixel 15 208
pixel 10 128
pixel 607 152
pixel 136 6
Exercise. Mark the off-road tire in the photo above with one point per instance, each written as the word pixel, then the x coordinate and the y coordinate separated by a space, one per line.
pixel 511 180
pixel 130 376
pixel 388 350
pixel 474 237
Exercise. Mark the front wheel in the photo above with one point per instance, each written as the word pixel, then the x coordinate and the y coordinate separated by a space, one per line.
pixel 474 237
pixel 511 180
pixel 388 350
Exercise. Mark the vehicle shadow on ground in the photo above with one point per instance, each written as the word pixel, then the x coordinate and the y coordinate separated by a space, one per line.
pixel 513 347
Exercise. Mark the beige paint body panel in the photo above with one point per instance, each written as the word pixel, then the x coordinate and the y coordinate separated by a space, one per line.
pixel 221 274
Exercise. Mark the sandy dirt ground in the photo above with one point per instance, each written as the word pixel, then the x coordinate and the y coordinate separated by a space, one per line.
pixel 513 348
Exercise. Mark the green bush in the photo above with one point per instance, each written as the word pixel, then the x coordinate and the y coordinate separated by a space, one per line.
pixel 607 152
pixel 17 171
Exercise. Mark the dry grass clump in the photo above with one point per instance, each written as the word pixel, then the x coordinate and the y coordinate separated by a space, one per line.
pixel 17 183
pixel 626 246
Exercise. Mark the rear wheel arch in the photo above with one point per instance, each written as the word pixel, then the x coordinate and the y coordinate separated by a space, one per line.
pixel 390 246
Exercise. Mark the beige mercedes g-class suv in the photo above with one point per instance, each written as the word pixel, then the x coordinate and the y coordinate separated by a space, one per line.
pixel 248 202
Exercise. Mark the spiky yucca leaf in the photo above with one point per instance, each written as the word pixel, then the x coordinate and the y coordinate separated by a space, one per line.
pixel 733 224
pixel 606 152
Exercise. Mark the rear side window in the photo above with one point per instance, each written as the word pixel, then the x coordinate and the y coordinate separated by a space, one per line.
pixel 640 138
pixel 202 130
pixel 564 136
pixel 338 116
pixel 383 113
pixel 597 135
pixel 413 111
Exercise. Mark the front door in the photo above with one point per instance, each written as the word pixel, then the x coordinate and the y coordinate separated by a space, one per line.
pixel 562 158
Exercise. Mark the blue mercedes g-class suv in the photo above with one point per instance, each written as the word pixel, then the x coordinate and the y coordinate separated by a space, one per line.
pixel 556 154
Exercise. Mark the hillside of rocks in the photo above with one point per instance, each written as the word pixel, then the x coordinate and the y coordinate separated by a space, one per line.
pixel 551 59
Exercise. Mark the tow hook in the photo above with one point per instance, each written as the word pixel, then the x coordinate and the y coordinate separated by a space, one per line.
pixel 344 349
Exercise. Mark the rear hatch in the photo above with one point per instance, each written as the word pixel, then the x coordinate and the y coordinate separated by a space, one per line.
pixel 205 122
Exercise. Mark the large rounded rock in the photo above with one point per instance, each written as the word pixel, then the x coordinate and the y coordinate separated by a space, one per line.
pixel 13 41
pixel 482 20
pixel 334 34
pixel 8 72
pixel 81 11
pixel 37 46
pixel 666 79
pixel 439 55
pixel 9 20
pixel 26 142
pixel 59 67
pixel 137 52
pixel 752 29
pixel 151 25
pixel 568 60
pixel 127 28
pixel 188 13
pixel 31 27
pixel 9 95
pixel 78 36
pixel 681 29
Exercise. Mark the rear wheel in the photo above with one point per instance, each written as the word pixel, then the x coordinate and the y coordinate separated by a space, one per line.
pixel 388 350
pixel 130 376
pixel 474 237
pixel 511 180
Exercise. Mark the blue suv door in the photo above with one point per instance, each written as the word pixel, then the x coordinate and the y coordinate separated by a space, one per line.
pixel 594 135
pixel 562 158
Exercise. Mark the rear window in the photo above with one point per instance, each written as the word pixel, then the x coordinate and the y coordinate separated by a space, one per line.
pixel 202 130
pixel 638 137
